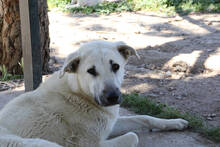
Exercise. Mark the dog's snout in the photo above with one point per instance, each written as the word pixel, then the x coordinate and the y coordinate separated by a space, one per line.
pixel 111 97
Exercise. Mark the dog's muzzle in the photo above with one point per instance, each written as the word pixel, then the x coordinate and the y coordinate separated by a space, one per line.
pixel 111 97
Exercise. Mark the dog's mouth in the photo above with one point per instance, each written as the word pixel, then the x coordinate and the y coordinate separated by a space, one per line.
pixel 106 102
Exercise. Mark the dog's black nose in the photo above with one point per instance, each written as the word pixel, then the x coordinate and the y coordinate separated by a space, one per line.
pixel 112 97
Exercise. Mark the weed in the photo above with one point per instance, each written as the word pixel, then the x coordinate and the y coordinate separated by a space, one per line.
pixel 169 7
pixel 4 73
pixel 5 76
pixel 21 64
pixel 104 8
pixel 143 105
pixel 212 133
pixel 178 6
pixel 60 4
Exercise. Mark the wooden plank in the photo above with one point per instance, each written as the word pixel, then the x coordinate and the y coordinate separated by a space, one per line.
pixel 30 31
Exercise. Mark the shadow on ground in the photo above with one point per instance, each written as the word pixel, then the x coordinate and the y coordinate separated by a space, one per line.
pixel 179 61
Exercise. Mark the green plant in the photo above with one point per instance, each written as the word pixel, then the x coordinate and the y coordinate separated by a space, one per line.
pixel 58 4
pixel 143 105
pixel 21 64
pixel 169 7
pixel 5 76
pixel 178 6
pixel 4 73
pixel 212 133
pixel 104 8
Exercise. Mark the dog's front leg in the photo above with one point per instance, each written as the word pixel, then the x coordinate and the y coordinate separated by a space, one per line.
pixel 15 141
pixel 127 140
pixel 130 123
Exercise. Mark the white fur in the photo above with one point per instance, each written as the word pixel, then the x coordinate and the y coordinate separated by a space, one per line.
pixel 62 111
pixel 88 2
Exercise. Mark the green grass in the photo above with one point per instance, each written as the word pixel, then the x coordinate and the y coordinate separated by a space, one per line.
pixel 11 77
pixel 101 8
pixel 143 105
pixel 212 133
pixel 5 76
pixel 178 6
pixel 170 7
pixel 60 4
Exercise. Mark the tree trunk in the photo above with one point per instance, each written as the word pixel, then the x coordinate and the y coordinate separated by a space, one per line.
pixel 10 35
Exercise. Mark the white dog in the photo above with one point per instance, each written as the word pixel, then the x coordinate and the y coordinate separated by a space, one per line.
pixel 85 2
pixel 77 3
pixel 79 105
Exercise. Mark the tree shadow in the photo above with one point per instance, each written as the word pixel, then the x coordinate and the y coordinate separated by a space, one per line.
pixel 203 6
pixel 185 91
pixel 195 91
pixel 98 27
pixel 160 30
pixel 190 43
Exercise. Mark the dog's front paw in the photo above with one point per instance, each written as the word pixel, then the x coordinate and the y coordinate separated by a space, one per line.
pixel 177 124
pixel 133 138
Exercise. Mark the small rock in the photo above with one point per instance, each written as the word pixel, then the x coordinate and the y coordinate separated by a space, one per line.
pixel 152 67
pixel 105 38
pixel 152 95
pixel 136 91
pixel 210 50
pixel 142 66
pixel 142 69
pixel 184 95
pixel 210 23
pixel 178 18
pixel 161 93
pixel 179 97
pixel 209 118
pixel 213 115
pixel 171 88
pixel 180 66
pixel 138 32
pixel 168 74
pixel 4 86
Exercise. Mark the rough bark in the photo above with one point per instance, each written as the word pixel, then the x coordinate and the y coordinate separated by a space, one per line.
pixel 10 35
pixel 44 34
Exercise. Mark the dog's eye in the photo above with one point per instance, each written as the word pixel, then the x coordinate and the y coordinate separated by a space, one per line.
pixel 115 67
pixel 92 71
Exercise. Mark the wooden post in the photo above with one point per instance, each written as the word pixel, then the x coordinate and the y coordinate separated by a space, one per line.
pixel 30 31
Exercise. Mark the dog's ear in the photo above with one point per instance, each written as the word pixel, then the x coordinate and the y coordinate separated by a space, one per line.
pixel 126 51
pixel 71 65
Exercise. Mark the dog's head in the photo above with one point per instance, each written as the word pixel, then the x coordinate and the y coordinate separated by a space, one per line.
pixel 97 70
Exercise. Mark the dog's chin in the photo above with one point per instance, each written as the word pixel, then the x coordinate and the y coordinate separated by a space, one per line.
pixel 109 105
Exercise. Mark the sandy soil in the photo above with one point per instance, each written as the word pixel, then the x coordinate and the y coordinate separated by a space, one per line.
pixel 180 56
pixel 179 65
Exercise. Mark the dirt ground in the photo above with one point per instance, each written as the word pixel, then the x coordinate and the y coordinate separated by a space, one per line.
pixel 180 56
pixel 179 65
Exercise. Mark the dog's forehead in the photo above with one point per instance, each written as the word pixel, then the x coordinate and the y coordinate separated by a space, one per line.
pixel 102 52
pixel 103 57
